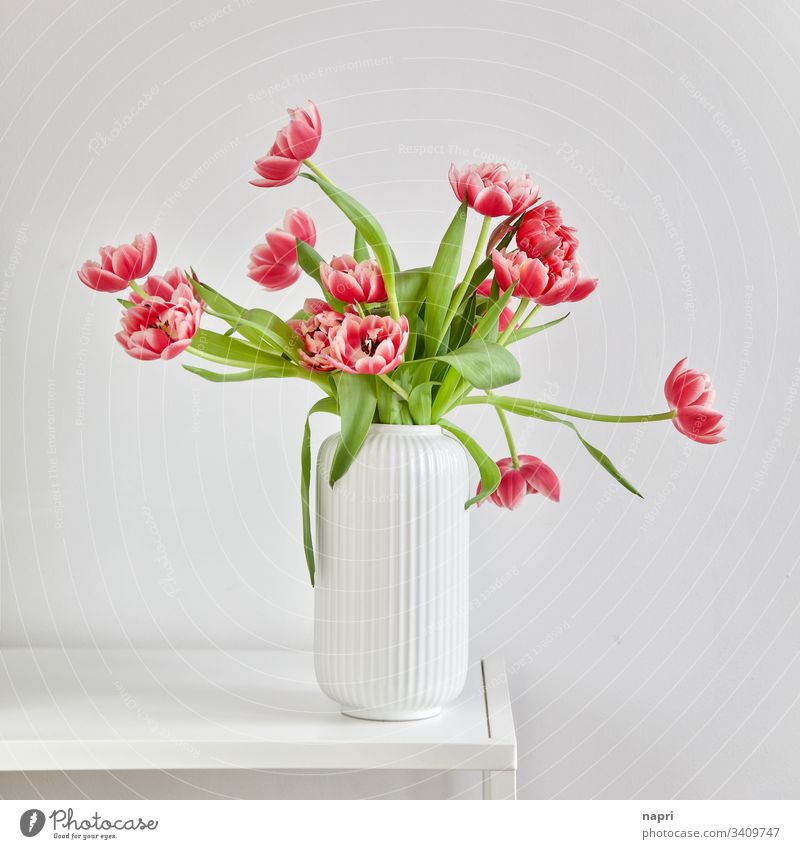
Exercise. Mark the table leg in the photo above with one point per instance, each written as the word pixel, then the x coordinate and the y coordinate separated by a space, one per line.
pixel 500 784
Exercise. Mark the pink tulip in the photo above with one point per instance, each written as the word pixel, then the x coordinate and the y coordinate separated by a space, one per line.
pixel 542 231
pixel 370 345
pixel 118 266
pixel 275 170
pixel 273 264
pixel 546 282
pixel 691 394
pixel 312 306
pixel 530 275
pixel 316 332
pixel 166 286
pixel 490 191
pixel 353 282
pixel 530 477
pixel 297 141
pixel 161 326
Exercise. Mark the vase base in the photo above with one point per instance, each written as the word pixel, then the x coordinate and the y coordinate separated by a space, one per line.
pixel 383 715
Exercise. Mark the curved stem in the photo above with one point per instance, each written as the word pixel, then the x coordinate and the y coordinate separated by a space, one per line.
pixel 509 437
pixel 318 171
pixel 577 414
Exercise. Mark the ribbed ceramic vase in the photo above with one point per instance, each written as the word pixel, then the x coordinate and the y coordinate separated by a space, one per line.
pixel 392 574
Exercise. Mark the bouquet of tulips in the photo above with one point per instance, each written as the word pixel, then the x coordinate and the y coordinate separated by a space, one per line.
pixel 388 344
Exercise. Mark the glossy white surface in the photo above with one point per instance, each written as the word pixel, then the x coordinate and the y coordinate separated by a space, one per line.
pixel 391 597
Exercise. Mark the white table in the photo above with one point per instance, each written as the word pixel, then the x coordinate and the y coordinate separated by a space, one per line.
pixel 117 709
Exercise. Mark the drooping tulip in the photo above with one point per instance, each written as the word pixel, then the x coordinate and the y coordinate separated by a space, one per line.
pixel 690 394
pixel 530 476
pixel 273 264
pixel 490 190
pixel 353 282
pixel 160 326
pixel 297 141
pixel 370 345
pixel 118 266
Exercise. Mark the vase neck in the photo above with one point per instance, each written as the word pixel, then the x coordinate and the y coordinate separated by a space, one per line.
pixel 406 429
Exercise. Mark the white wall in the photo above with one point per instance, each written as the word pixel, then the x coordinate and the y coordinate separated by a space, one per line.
pixel 653 645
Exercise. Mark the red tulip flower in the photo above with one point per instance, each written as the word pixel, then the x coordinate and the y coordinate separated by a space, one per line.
pixel 353 282
pixel 118 266
pixel 690 394
pixel 528 477
pixel 316 332
pixel 490 191
pixel 370 345
pixel 273 264
pixel 161 325
pixel 542 230
pixel 546 282
pixel 297 141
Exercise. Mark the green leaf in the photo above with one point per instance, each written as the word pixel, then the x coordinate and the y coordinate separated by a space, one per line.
pixel 419 402
pixel 596 453
pixel 442 279
pixel 411 286
pixel 310 261
pixel 217 303
pixel 517 335
pixel 389 404
pixel 261 326
pixel 487 327
pixel 486 365
pixel 360 250
pixel 226 350
pixel 285 369
pixel 326 405
pixel 367 225
pixel 490 473
pixel 463 323
pixel 357 402
pixel 523 407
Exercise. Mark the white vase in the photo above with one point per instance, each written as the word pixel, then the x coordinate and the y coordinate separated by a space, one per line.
pixel 392 574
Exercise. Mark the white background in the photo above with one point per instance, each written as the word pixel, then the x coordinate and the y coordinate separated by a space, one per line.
pixel 652 645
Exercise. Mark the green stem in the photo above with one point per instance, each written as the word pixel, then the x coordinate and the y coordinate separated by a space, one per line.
pixel 395 387
pixel 529 316
pixel 582 414
pixel 479 248
pixel 138 289
pixel 509 437
pixel 318 171
pixel 512 325
pixel 461 289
